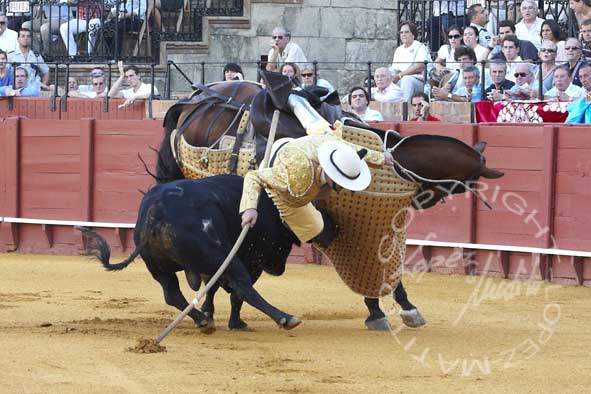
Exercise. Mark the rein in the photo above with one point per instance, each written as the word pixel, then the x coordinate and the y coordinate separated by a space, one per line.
pixel 415 178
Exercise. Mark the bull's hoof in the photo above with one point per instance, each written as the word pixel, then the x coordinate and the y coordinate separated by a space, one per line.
pixel 412 318
pixel 207 326
pixel 289 323
pixel 239 326
pixel 381 324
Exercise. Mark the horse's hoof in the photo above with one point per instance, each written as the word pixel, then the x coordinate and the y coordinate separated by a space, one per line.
pixel 289 323
pixel 412 318
pixel 381 324
pixel 207 327
pixel 240 326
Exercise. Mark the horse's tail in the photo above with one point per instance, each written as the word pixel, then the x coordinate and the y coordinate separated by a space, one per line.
pixel 98 247
pixel 167 169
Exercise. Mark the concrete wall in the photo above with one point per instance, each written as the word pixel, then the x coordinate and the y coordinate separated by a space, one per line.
pixel 345 33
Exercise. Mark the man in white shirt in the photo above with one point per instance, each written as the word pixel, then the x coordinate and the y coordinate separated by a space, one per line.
pixel 284 51
pixel 530 26
pixel 563 89
pixel 137 89
pixel 8 37
pixel 385 90
pixel 359 105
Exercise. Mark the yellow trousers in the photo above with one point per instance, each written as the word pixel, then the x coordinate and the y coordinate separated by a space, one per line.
pixel 305 222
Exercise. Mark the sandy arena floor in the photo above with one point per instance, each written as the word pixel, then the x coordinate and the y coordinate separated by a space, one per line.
pixel 66 326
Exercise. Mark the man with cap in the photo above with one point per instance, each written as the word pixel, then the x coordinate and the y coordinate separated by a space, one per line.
pixel 306 169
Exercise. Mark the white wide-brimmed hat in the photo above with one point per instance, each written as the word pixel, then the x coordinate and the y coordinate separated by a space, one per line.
pixel 344 166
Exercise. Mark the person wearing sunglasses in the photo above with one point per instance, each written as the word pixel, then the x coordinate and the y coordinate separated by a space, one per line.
pixel 524 80
pixel 283 50
pixel 574 56
pixel 445 56
pixel 308 78
pixel 445 15
pixel 359 105
pixel 563 90
pixel 551 31
pixel 530 26
pixel 548 52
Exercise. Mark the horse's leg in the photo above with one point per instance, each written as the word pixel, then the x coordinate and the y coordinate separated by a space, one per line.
pixel 409 313
pixel 377 320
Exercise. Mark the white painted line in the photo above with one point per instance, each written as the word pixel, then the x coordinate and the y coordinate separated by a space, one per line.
pixel 504 248
pixel 412 242
pixel 66 222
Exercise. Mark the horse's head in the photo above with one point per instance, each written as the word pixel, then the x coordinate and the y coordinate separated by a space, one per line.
pixel 441 166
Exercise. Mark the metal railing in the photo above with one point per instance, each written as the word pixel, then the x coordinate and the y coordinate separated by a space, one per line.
pixel 432 18
pixel 89 31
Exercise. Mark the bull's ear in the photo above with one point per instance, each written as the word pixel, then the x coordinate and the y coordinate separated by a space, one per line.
pixel 480 146
pixel 491 174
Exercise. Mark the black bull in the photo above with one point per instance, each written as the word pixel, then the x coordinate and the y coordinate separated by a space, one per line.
pixel 190 226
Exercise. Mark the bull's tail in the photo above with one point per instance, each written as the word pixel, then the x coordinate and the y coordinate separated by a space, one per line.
pixel 98 247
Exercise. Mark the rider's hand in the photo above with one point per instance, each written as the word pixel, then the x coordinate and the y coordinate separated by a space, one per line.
pixel 249 217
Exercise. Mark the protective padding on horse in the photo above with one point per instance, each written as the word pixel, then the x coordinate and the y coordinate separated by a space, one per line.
pixel 369 252
pixel 201 162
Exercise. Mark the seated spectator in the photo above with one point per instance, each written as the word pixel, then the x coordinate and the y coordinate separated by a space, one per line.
pixel 527 50
pixel 445 15
pixel 581 9
pixel 498 73
pixel 452 83
pixel 72 86
pixel 283 50
pixel 308 79
pixel 38 72
pixel 385 90
pixel 551 31
pixel 8 37
pixel 586 39
pixel 511 51
pixel 573 48
pixel 359 105
pixel 445 56
pixel 137 89
pixel 563 89
pixel 408 61
pixel 89 14
pixel 95 72
pixel 548 52
pixel 129 16
pixel 46 21
pixel 293 71
pixel 524 82
pixel 232 72
pixel 580 111
pixel 471 91
pixel 420 109
pixel 99 88
pixel 530 26
pixel 22 87
pixel 5 70
pixel 471 41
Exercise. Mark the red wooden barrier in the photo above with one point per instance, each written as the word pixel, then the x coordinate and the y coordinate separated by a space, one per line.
pixel 87 169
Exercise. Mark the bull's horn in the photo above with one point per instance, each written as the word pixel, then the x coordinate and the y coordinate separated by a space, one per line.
pixel 489 173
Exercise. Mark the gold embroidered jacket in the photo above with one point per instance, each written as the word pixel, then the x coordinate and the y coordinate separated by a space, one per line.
pixel 295 178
